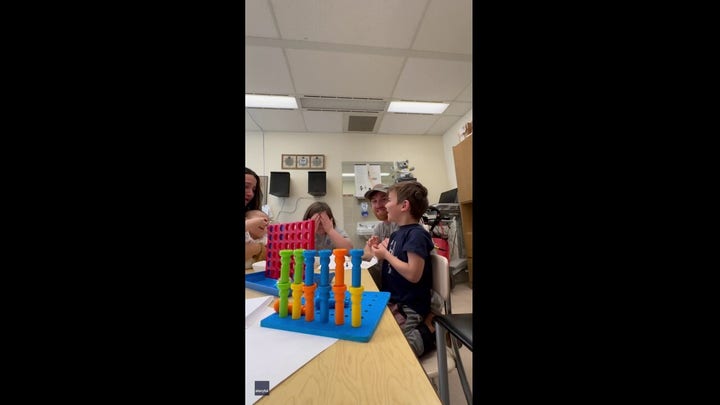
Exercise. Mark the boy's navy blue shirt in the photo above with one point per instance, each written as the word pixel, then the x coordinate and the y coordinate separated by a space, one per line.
pixel 409 238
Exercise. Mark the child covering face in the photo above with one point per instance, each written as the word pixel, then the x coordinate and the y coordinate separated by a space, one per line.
pixel 257 231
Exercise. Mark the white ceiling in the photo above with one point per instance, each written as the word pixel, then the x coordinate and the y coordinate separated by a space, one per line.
pixel 419 50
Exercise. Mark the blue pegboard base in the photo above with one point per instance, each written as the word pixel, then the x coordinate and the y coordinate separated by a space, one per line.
pixel 258 282
pixel 372 305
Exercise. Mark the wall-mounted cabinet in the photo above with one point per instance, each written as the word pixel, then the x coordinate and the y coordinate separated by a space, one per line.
pixel 462 154
pixel 352 187
pixel 366 176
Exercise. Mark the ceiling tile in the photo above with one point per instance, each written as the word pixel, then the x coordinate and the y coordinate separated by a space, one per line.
pixel 323 121
pixel 259 21
pixel 442 125
pixel 432 79
pixel 466 95
pixel 323 73
pixel 278 120
pixel 266 71
pixel 250 124
pixel 446 27
pixel 377 49
pixel 381 23
pixel 406 123
pixel 458 108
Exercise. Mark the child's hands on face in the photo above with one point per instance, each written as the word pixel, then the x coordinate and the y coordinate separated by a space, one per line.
pixel 256 227
pixel 322 222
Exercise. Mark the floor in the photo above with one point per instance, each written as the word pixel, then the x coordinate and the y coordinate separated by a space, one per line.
pixel 461 300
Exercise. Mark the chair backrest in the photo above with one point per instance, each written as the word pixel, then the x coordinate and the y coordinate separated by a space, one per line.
pixel 441 285
pixel 441 279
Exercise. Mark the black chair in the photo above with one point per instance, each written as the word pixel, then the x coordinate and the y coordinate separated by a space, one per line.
pixel 459 327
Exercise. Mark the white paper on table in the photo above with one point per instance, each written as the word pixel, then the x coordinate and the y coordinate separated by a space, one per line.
pixel 253 307
pixel 273 355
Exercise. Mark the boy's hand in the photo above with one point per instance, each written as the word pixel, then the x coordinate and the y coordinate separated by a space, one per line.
pixel 372 241
pixel 380 249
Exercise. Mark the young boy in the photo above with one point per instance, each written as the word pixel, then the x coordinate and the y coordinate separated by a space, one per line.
pixel 407 269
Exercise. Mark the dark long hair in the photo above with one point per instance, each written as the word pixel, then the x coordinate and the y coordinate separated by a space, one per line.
pixel 254 204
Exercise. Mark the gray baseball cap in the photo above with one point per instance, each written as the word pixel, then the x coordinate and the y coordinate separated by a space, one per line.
pixel 378 187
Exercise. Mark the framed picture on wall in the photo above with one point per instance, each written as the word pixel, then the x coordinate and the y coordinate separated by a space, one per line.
pixel 303 161
pixel 317 161
pixel 289 162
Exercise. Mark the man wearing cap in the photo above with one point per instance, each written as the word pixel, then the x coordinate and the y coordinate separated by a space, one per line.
pixel 378 198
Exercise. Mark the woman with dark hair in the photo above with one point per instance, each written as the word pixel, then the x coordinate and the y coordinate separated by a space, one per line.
pixel 257 225
pixel 253 194
pixel 327 234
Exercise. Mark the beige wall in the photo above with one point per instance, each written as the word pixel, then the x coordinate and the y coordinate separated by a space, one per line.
pixel 430 155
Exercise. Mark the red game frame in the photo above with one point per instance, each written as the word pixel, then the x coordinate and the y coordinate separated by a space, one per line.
pixel 289 235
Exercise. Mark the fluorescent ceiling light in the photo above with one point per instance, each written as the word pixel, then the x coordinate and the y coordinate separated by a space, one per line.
pixel 262 101
pixel 353 174
pixel 417 107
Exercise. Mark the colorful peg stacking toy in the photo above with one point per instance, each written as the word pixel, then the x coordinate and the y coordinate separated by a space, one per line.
pixel 284 282
pixel 309 286
pixel 324 287
pixel 356 289
pixel 339 287
pixel 364 321
pixel 297 283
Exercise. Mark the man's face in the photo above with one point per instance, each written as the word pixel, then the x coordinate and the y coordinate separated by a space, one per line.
pixel 378 201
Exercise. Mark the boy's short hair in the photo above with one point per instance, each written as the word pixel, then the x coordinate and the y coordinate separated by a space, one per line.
pixel 415 193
